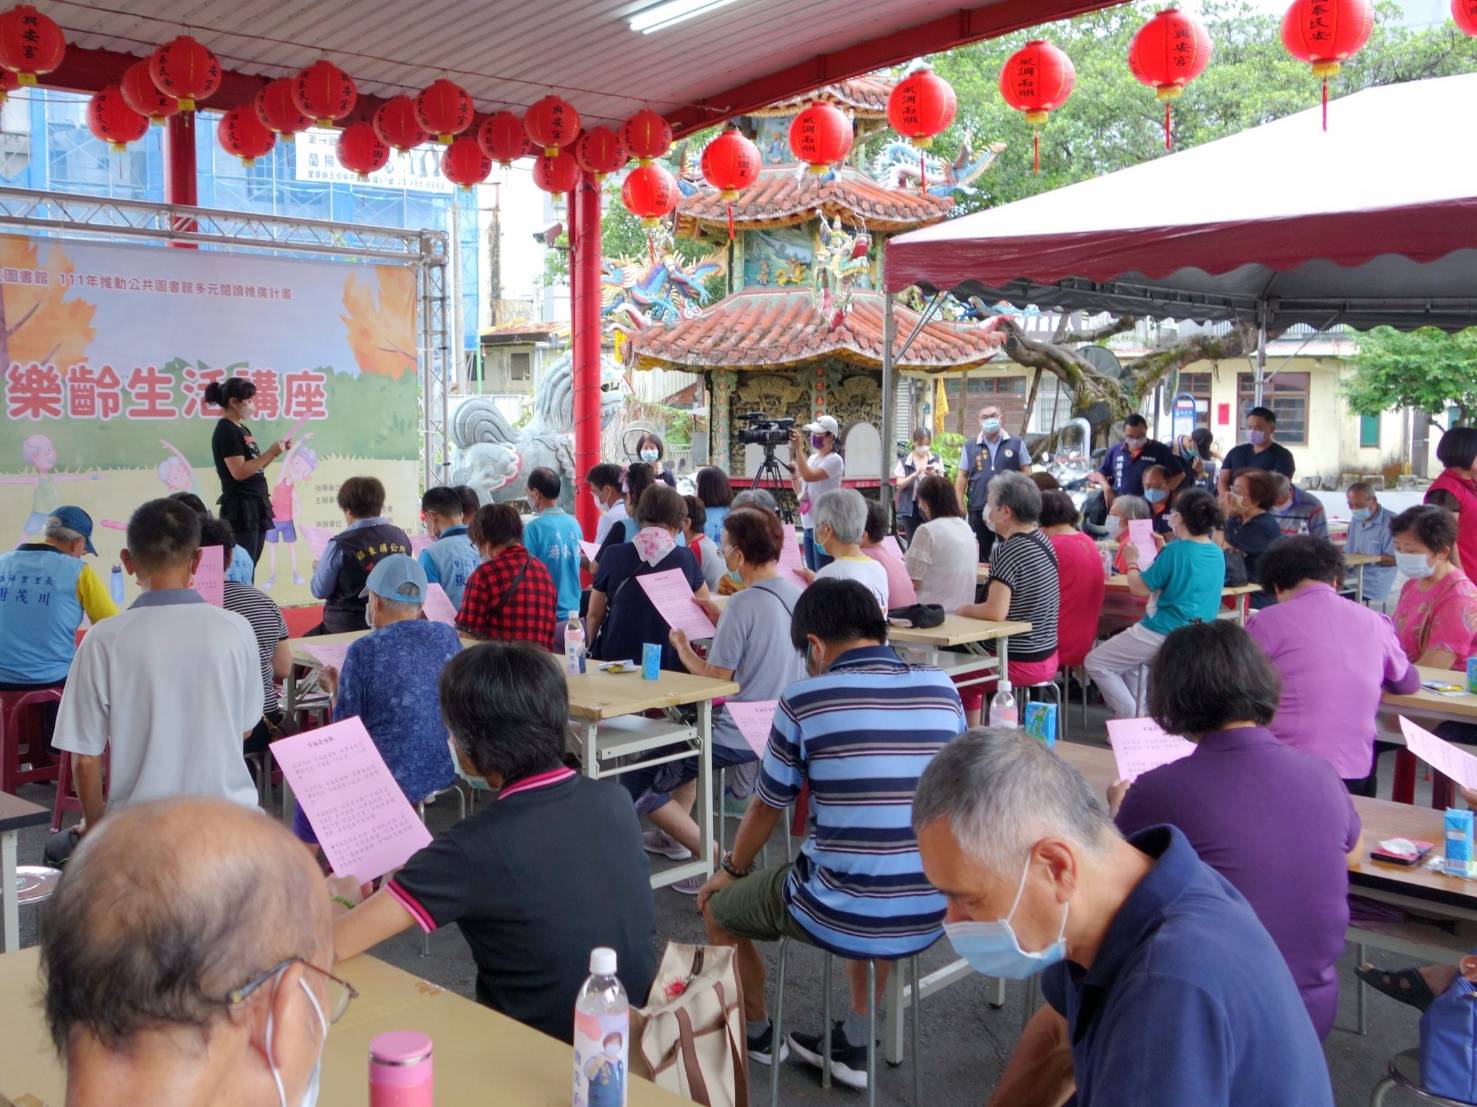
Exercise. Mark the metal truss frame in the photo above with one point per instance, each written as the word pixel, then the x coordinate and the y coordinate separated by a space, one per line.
pixel 71 215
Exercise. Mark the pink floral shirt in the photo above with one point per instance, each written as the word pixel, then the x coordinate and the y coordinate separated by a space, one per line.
pixel 1441 616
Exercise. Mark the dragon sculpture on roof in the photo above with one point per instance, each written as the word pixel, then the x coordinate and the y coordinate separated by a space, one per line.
pixel 897 165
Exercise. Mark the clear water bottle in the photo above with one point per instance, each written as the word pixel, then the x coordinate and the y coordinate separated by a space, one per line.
pixel 115 585
pixel 574 645
pixel 1002 708
pixel 602 1032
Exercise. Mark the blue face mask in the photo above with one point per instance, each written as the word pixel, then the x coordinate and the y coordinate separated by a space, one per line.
pixel 1359 514
pixel 1416 566
pixel 648 455
pixel 991 948
pixel 990 426
pixel 1155 495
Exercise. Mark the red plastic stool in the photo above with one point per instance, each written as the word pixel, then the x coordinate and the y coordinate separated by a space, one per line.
pixel 66 796
pixel 25 744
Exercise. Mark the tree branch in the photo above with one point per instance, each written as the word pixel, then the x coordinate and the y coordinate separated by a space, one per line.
pixel 1120 325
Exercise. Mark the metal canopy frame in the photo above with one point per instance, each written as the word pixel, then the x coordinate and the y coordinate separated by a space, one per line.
pixel 64 216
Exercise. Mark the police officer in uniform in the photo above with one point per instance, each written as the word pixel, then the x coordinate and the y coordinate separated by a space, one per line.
pixel 992 452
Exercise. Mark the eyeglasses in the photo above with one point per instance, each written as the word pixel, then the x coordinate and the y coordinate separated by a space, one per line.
pixel 726 552
pixel 340 992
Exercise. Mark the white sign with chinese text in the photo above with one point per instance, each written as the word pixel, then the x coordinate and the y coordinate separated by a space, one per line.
pixel 315 158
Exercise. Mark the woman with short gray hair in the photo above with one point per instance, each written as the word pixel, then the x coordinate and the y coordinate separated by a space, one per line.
pixel 840 519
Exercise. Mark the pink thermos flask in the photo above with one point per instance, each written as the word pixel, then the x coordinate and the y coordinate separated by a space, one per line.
pixel 400 1073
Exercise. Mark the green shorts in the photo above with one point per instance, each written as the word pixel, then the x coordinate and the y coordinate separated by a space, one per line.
pixel 754 907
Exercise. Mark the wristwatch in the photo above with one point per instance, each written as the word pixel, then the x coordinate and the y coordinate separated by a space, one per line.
pixel 728 866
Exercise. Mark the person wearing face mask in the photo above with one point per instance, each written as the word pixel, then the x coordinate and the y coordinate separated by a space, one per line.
pixel 900 590
pixel 1259 451
pixel 1156 495
pixel 604 481
pixel 857 890
pixel 918 463
pixel 814 476
pixel 509 597
pixel 1369 533
pixel 993 451
pixel 651 451
pixel 1126 462
pixel 1436 618
pixel 245 501
pixel 338 580
pixel 1249 527
pixel 1162 987
pixel 1196 454
pixel 840 523
pixel 552 535
pixel 1296 511
pixel 165 984
pixel 1456 490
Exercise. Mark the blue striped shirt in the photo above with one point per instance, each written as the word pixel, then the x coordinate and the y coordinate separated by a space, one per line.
pixel 861 734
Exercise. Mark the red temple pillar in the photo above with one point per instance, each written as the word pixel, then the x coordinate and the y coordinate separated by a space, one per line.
pixel 584 276
pixel 180 185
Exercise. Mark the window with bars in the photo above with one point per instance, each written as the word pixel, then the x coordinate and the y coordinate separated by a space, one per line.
pixel 1286 394
pixel 1008 393
pixel 1198 385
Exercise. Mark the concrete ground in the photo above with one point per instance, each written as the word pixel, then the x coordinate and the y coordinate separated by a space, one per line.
pixel 965 1042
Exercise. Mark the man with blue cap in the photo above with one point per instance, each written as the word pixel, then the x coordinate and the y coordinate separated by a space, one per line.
pixel 45 590
pixel 390 680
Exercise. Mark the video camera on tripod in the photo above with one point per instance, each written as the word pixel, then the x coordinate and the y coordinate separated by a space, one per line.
pixel 764 431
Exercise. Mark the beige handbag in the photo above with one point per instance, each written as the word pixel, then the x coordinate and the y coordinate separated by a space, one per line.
pixel 689 1038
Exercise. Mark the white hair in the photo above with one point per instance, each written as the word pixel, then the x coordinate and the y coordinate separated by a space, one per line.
pixel 1131 507
pixel 1002 792
pixel 58 533
pixel 845 512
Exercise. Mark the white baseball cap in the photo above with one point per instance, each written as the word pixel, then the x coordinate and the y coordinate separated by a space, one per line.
pixel 824 425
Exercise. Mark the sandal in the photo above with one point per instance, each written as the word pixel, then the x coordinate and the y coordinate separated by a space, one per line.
pixel 1406 986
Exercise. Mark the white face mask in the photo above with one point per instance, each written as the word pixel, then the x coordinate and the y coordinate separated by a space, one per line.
pixel 1114 525
pixel 1416 566
pixel 648 455
pixel 310 1094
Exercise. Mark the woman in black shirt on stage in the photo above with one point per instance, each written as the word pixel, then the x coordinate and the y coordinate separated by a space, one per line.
pixel 245 502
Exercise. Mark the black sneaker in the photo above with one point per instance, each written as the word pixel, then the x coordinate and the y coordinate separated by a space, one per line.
pixel 848 1062
pixel 761 1047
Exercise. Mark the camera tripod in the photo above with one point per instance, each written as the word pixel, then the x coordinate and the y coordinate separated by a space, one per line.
pixel 771 471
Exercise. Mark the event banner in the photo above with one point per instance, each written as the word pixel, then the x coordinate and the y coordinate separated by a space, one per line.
pixel 107 351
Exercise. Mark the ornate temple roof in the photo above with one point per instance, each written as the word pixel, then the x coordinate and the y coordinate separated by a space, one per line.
pixel 865 97
pixel 764 329
pixel 786 195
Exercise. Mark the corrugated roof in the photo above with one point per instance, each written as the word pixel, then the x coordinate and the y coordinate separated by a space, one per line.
pixel 761 329
pixel 785 195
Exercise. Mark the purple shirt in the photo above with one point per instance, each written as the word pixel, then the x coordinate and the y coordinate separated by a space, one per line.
pixel 1278 824
pixel 1335 658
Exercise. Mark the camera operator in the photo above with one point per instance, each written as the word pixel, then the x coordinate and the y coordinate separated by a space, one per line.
pixel 816 475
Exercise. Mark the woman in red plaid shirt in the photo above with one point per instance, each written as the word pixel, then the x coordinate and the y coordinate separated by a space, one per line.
pixel 510 596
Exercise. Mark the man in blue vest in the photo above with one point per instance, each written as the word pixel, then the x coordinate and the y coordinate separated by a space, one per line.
pixel 45 589
pixel 992 452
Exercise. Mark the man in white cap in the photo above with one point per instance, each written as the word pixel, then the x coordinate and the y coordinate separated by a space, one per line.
pixel 815 475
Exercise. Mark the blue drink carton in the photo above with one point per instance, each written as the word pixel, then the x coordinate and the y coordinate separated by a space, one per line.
pixel 1041 722
pixel 1472 676
pixel 651 661
pixel 1459 859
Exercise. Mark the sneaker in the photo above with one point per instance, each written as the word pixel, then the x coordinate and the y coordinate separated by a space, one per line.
pixel 690 886
pixel 761 1049
pixel 268 583
pixel 297 578
pixel 848 1062
pixel 657 841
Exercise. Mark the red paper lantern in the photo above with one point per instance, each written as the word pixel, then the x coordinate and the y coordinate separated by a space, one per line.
pixel 551 124
pixel 30 43
pixel 242 133
pixel 277 110
pixel 1464 12
pixel 503 138
pixel 1325 34
pixel 649 193
pixel 1169 52
pixel 557 174
pixel 361 150
pixel 1037 79
pixel 324 92
pixel 599 151
pixel 820 135
pixel 444 109
pixel 464 163
pixel 646 136
pixel 113 121
pixel 396 124
pixel 186 70
pixel 730 163
pixel 921 105
pixel 142 95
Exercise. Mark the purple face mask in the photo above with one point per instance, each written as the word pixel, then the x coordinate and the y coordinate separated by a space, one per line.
pixel 817 440
pixel 1256 438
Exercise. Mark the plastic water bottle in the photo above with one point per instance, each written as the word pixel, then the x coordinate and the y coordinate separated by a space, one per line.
pixel 1002 708
pixel 574 645
pixel 115 585
pixel 602 1032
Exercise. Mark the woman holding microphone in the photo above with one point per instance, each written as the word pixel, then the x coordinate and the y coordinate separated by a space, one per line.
pixel 245 502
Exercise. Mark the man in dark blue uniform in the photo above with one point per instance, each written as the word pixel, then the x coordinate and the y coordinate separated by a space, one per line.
pixel 993 451
pixel 1126 462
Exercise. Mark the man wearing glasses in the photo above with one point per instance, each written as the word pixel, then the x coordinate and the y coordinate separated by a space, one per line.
pixel 191 974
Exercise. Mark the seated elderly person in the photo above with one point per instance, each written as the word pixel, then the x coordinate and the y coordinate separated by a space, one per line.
pixel 187 958
pixel 1250 528
pixel 353 552
pixel 857 889
pixel 510 597
pixel 900 591
pixel 1369 533
pixel 943 558
pixel 1296 511
pixel 1273 820
pixel 1335 659
pixel 45 591
pixel 1081 580
pixel 389 682
pixel 840 519
pixel 1121 608
pixel 539 877
pixel 1162 988
pixel 759 498
pixel 1156 495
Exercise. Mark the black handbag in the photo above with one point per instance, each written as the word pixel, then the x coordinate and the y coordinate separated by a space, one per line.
pixel 919 615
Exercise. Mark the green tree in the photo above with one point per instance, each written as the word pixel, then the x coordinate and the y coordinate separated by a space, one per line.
pixel 1428 370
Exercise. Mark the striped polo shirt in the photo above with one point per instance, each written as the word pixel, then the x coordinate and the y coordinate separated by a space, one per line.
pixel 861 734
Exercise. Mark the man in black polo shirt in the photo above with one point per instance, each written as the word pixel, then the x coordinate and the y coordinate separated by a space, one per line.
pixel 549 870
pixel 1259 451
pixel 1122 471
pixel 1162 987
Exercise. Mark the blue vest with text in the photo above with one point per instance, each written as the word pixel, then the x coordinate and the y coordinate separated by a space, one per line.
pixel 39 614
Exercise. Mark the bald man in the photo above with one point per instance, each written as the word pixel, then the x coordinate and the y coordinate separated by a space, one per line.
pixel 190 974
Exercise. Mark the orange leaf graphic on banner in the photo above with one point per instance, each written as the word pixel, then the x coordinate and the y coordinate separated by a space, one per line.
pixel 382 328
pixel 36 323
